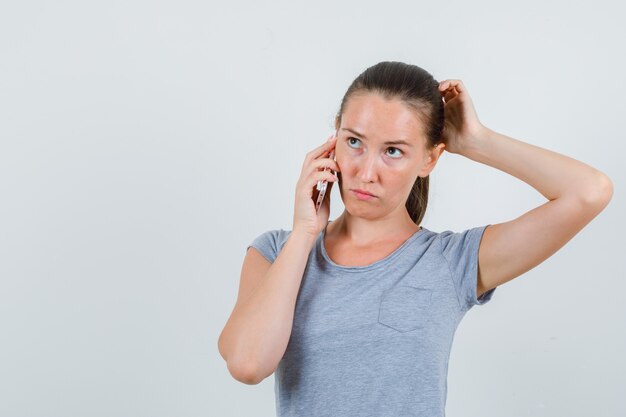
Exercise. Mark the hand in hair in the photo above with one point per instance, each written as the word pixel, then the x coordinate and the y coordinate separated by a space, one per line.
pixel 461 125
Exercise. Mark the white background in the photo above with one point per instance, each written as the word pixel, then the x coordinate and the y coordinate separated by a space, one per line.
pixel 145 144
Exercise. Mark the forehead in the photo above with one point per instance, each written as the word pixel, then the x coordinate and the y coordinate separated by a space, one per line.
pixel 382 119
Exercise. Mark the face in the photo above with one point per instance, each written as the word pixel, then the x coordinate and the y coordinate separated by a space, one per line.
pixel 371 156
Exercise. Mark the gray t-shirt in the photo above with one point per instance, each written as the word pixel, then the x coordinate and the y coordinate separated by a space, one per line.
pixel 375 340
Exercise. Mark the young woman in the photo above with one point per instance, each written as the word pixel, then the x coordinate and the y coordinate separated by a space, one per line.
pixel 356 316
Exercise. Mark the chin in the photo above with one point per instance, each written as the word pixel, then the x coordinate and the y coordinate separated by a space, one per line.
pixel 363 213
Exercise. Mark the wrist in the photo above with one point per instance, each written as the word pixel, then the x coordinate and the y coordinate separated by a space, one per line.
pixel 479 139
pixel 303 236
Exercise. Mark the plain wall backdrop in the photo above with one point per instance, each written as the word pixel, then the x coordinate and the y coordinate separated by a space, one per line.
pixel 145 144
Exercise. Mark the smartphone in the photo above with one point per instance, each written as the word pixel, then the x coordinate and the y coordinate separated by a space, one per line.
pixel 322 185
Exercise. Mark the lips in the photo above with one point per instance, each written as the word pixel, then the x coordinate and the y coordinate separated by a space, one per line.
pixel 363 192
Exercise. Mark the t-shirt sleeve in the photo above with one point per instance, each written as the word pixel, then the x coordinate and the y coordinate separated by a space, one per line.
pixel 460 249
pixel 270 243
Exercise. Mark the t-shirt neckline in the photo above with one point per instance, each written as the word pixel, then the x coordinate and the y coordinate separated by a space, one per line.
pixel 379 263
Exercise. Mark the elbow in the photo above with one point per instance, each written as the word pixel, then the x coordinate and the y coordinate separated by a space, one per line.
pixel 596 193
pixel 240 370
pixel 602 192
pixel 608 189
pixel 244 374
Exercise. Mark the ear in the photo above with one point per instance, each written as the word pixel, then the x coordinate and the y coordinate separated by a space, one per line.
pixel 431 160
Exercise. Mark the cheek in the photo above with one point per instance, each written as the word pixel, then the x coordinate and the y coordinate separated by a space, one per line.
pixel 347 160
pixel 342 161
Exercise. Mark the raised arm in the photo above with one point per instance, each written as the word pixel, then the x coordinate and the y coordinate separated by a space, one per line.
pixel 576 192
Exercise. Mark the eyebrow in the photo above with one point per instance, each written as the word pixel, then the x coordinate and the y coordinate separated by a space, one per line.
pixel 389 142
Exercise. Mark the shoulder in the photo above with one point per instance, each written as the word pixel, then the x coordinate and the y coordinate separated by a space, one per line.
pixel 454 243
pixel 270 242
pixel 275 235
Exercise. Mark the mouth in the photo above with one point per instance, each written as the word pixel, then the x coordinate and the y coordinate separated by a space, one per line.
pixel 362 193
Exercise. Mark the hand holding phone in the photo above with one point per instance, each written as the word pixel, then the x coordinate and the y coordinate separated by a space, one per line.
pixel 319 172
pixel 322 185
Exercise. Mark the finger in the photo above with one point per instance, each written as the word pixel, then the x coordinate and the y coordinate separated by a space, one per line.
pixel 331 158
pixel 316 153
pixel 329 188
pixel 311 182
pixel 443 86
pixel 456 84
pixel 449 95
pixel 459 86
pixel 324 163
pixel 448 87
pixel 323 176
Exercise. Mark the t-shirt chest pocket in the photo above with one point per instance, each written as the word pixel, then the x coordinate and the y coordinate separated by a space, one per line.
pixel 405 308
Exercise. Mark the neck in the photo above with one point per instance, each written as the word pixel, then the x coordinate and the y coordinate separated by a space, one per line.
pixel 364 232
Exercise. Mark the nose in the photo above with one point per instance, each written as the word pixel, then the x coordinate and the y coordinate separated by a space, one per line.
pixel 368 168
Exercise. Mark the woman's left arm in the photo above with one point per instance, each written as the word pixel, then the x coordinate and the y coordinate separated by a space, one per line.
pixel 576 192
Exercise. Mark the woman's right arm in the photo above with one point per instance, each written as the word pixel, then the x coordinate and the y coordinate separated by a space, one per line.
pixel 257 333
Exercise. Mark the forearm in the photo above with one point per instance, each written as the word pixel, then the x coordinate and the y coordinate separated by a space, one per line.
pixel 259 330
pixel 552 174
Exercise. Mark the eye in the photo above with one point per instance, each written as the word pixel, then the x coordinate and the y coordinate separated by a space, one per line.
pixel 399 152
pixel 350 139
